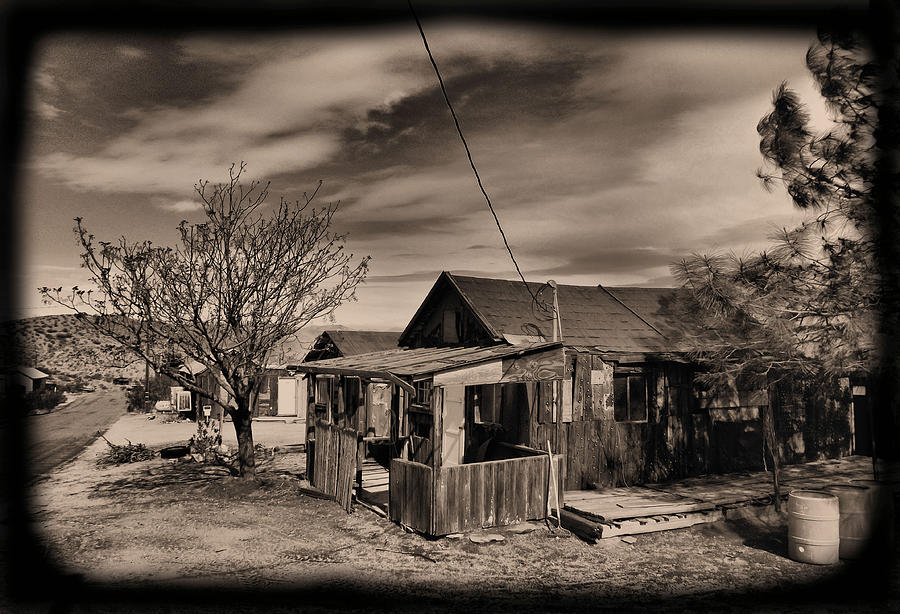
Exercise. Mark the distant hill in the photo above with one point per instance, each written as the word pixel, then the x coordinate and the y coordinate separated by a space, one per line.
pixel 68 350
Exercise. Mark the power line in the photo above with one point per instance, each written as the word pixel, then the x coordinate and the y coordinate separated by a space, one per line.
pixel 469 153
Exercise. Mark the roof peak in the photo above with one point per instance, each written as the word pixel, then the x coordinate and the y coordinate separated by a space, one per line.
pixel 561 285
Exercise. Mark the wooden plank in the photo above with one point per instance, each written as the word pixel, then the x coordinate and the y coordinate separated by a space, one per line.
pixel 592 451
pixel 582 527
pixel 514 495
pixel 440 503
pixel 463 511
pixel 542 366
pixel 634 527
pixel 583 385
pixel 490 495
pixel 501 503
pixel 546 397
pixel 522 490
pixel 476 495
pixel 538 489
pixel 485 373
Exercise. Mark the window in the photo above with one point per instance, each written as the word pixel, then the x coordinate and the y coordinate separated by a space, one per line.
pixel 422 399
pixel 323 391
pixel 630 398
pixel 448 327
pixel 483 402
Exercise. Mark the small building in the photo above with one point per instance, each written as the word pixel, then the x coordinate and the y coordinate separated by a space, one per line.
pixel 281 393
pixel 22 379
pixel 337 343
pixel 477 379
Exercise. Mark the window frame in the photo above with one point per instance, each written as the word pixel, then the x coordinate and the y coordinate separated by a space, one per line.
pixel 424 388
pixel 628 378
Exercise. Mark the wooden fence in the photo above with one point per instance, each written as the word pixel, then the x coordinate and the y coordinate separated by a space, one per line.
pixel 411 501
pixel 334 462
pixel 492 493
pixel 471 496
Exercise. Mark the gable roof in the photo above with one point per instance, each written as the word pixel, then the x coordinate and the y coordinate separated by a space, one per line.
pixel 352 342
pixel 615 319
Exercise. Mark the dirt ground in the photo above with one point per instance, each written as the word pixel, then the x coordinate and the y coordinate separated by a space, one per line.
pixel 167 536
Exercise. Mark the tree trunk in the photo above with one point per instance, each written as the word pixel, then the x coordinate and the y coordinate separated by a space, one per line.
pixel 771 444
pixel 243 421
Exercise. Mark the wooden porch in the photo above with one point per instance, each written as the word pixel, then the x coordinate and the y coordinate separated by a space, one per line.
pixel 613 512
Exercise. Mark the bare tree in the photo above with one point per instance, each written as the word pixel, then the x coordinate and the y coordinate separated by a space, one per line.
pixel 237 284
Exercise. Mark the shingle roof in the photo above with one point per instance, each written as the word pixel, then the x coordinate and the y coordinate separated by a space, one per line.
pixel 363 341
pixel 615 319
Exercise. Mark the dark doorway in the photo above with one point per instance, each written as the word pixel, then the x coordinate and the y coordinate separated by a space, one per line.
pixel 862 422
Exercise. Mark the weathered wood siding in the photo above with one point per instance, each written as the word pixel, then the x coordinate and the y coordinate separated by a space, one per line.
pixel 334 462
pixel 410 490
pixel 492 494
pixel 687 431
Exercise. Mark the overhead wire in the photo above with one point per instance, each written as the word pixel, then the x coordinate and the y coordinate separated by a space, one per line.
pixel 462 138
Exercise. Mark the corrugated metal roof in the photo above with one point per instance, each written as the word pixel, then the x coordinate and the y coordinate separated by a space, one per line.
pixel 363 341
pixel 420 361
pixel 626 319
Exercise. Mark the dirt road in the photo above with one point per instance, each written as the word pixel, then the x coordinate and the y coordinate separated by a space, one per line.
pixel 60 435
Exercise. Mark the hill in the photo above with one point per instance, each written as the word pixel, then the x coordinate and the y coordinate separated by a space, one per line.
pixel 70 351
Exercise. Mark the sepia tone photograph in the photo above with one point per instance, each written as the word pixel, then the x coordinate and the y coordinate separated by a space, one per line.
pixel 409 308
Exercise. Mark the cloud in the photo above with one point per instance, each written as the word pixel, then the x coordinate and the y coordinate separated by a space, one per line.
pixel 46 110
pixel 150 162
pixel 303 90
pixel 182 206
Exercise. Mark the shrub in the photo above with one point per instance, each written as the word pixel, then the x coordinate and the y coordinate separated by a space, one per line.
pixel 43 398
pixel 159 391
pixel 207 440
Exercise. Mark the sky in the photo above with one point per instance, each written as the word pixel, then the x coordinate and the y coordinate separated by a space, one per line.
pixel 608 155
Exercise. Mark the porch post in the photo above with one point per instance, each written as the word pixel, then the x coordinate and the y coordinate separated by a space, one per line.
pixel 437 408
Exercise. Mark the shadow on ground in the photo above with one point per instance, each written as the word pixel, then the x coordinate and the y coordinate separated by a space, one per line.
pixel 196 475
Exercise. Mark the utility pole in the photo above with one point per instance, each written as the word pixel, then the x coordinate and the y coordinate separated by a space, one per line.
pixel 146 386
pixel 558 397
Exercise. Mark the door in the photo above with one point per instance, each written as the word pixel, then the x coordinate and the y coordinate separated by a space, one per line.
pixel 287 396
pixel 454 420
pixel 378 410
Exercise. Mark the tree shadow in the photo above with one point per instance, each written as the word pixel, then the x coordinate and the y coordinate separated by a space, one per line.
pixel 180 474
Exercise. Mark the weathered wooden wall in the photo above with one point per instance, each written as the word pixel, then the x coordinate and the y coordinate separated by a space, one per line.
pixel 410 490
pixel 687 431
pixel 334 462
pixel 493 493
pixel 421 450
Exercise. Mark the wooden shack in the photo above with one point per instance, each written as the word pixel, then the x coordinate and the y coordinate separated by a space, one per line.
pixel 616 399
pixel 430 417
pixel 632 411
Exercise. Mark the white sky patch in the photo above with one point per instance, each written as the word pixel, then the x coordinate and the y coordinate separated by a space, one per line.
pixel 46 110
pixel 182 206
pixel 143 162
